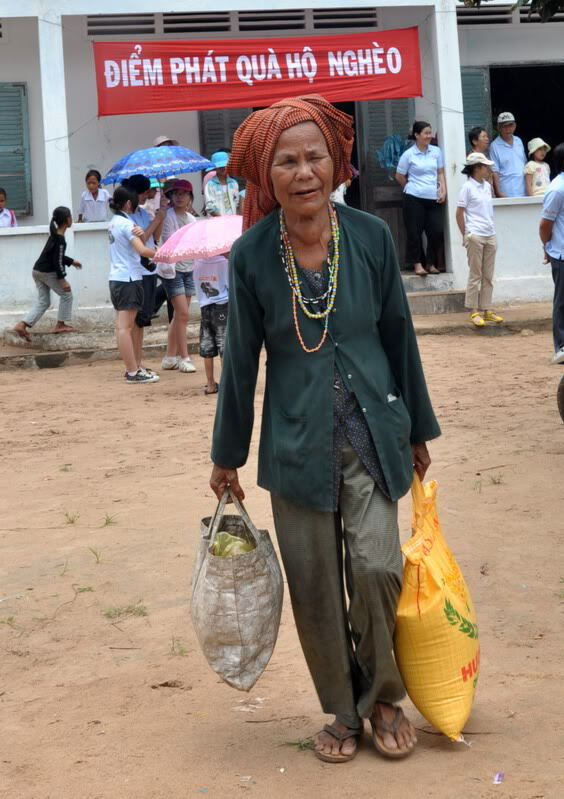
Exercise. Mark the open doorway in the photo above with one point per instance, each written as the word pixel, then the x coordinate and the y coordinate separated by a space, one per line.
pixel 533 95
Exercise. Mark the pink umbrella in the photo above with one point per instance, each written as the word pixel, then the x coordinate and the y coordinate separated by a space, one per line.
pixel 203 238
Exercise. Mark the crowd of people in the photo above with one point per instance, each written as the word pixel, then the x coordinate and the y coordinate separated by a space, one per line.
pixel 498 168
pixel 157 210
pixel 141 215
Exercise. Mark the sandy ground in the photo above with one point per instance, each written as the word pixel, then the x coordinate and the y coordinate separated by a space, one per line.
pixel 103 488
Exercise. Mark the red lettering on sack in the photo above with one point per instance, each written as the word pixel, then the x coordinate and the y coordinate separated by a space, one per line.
pixel 467 672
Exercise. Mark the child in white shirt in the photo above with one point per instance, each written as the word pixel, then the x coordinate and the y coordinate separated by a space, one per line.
pixel 7 216
pixel 537 171
pixel 475 220
pixel 212 288
pixel 95 201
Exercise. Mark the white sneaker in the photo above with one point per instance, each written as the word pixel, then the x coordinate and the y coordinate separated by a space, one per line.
pixel 170 362
pixel 558 357
pixel 186 365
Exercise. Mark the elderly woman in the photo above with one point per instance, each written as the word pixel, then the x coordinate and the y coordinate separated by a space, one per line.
pixel 346 412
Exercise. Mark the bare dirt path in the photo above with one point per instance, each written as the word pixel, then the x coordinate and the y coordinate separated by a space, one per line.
pixel 103 691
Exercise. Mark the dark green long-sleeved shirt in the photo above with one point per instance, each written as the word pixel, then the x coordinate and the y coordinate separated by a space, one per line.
pixel 371 339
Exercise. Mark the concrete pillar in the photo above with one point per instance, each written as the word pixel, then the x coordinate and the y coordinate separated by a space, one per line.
pixel 54 105
pixel 446 61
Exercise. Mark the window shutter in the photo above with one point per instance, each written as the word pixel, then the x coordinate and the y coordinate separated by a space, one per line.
pixel 476 98
pixel 15 172
pixel 378 119
pixel 217 126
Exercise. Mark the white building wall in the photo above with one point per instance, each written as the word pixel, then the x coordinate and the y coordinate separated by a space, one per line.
pixel 484 45
pixel 19 63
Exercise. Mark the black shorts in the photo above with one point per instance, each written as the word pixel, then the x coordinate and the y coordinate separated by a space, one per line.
pixel 213 325
pixel 126 296
pixel 144 316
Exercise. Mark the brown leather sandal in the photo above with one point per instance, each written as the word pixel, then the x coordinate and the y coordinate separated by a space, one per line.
pixel 340 736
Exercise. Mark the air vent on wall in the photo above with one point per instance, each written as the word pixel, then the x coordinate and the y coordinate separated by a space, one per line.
pixel 271 21
pixel 339 18
pixel 120 24
pixel 214 22
pixel 484 15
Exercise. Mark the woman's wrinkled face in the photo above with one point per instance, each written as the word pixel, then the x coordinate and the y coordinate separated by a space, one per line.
pixel 302 170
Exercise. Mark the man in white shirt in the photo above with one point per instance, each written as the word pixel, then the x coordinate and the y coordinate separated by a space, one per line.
pixel 475 220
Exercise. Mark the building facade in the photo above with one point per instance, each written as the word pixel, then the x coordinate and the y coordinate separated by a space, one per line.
pixel 52 135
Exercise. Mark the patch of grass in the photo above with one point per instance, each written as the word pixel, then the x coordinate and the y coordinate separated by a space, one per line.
pixel 84 589
pixel 477 487
pixel 72 518
pixel 496 479
pixel 10 621
pixel 97 554
pixel 133 609
pixel 66 467
pixel 176 647
pixel 108 520
pixel 302 745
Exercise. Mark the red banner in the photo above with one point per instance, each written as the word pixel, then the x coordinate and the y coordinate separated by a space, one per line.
pixel 155 76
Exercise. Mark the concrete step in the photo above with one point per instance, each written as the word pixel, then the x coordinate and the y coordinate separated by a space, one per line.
pixel 414 283
pixel 435 302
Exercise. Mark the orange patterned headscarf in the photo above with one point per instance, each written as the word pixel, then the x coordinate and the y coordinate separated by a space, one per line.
pixel 256 138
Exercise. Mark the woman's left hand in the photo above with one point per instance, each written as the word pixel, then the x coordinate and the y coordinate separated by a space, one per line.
pixel 421 459
pixel 138 231
pixel 442 196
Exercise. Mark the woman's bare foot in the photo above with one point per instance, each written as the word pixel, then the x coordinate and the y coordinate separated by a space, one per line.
pixel 393 734
pixel 331 747
pixel 62 327
pixel 20 329
pixel 418 269
pixel 432 270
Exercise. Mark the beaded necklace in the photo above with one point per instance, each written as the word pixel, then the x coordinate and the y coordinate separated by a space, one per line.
pixel 289 262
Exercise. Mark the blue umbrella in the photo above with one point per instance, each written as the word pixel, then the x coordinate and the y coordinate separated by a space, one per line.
pixel 156 162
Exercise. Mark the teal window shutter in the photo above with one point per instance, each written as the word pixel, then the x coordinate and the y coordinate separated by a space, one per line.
pixel 15 165
pixel 476 99
pixel 217 126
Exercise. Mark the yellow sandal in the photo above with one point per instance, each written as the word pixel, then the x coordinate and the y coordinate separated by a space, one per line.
pixel 477 319
pixel 490 316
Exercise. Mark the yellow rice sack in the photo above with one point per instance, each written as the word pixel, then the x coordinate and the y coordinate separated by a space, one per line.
pixel 436 638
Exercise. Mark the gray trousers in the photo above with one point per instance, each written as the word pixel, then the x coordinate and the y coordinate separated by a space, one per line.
pixel 348 646
pixel 46 282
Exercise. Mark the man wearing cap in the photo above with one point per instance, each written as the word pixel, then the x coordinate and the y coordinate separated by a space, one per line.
pixel 474 216
pixel 221 192
pixel 508 154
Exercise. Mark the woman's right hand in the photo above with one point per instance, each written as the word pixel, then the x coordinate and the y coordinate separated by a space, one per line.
pixel 221 478
pixel 65 285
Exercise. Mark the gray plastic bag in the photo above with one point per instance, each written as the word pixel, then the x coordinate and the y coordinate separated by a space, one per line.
pixel 237 600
